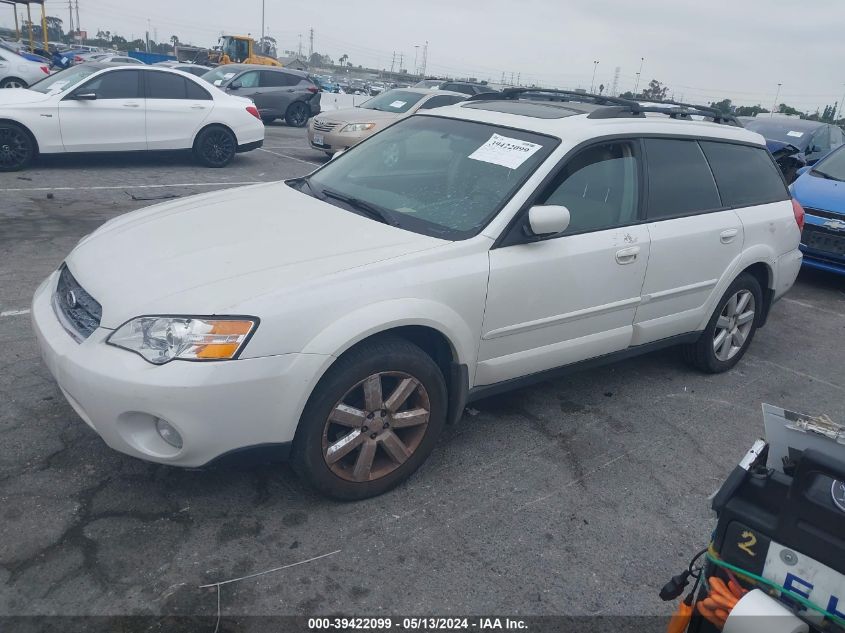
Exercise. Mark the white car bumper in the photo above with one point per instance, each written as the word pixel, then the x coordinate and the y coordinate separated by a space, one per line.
pixel 217 407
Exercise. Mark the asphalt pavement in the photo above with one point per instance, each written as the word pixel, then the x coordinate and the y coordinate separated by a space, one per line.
pixel 578 496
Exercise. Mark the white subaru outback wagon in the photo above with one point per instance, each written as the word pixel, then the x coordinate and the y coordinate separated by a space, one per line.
pixel 345 317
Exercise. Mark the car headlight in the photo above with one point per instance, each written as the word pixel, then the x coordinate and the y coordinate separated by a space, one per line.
pixel 161 339
pixel 358 127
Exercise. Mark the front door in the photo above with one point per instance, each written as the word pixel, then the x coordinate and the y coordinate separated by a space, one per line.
pixel 573 297
pixel 114 120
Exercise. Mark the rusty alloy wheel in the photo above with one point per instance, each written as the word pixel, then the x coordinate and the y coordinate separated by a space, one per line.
pixel 368 436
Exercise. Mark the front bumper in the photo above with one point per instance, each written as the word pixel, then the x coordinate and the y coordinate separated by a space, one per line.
pixel 335 141
pixel 217 407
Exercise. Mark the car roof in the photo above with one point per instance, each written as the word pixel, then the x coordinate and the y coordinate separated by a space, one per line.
pixel 570 120
pixel 242 67
pixel 784 122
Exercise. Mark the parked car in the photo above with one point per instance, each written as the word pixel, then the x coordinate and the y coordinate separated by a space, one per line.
pixel 466 87
pixel 336 130
pixel 115 59
pixel 31 55
pixel 17 72
pixel 278 93
pixel 430 84
pixel 794 142
pixel 68 57
pixel 326 84
pixel 97 107
pixel 356 310
pixel 821 191
pixel 197 70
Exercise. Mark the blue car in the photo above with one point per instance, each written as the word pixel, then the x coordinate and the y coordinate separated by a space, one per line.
pixel 820 189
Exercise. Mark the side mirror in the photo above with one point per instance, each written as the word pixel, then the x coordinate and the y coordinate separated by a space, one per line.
pixel 803 170
pixel 545 220
pixel 85 96
pixel 235 85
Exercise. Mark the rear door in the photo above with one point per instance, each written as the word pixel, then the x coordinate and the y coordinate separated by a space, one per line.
pixel 114 121
pixel 278 90
pixel 573 297
pixel 176 109
pixel 694 239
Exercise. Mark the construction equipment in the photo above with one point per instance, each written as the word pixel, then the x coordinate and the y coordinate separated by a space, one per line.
pixel 230 49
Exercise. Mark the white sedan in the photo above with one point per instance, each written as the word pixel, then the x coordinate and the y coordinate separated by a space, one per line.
pixel 96 107
pixel 19 72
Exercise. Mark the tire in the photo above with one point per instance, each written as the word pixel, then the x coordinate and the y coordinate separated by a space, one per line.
pixel 13 82
pixel 735 323
pixel 215 147
pixel 297 114
pixel 17 147
pixel 382 452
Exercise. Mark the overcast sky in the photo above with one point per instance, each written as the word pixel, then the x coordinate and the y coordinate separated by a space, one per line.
pixel 702 49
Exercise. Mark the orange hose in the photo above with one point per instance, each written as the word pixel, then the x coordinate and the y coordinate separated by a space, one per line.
pixel 680 619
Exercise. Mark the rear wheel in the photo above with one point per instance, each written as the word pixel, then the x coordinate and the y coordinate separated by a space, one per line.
pixel 731 328
pixel 297 114
pixel 13 82
pixel 372 421
pixel 17 149
pixel 215 147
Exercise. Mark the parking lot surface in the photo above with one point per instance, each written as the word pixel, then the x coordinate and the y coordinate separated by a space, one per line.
pixel 578 496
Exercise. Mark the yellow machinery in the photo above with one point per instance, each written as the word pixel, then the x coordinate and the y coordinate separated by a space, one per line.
pixel 238 49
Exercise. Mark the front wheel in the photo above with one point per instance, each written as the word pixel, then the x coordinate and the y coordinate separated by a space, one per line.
pixel 215 147
pixel 372 420
pixel 297 114
pixel 731 328
pixel 17 149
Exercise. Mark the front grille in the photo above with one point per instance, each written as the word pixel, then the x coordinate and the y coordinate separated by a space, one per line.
pixel 324 126
pixel 78 311
pixel 819 239
pixel 821 213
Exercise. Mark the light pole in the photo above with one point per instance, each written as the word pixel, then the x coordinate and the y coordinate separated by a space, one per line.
pixel 775 106
pixel 593 82
pixel 639 72
pixel 261 41
pixel 416 51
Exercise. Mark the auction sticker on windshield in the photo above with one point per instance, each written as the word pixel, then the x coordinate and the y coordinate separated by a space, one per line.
pixel 397 104
pixel 505 151
pixel 795 134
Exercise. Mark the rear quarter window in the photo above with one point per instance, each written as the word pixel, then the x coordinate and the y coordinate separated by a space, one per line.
pixel 745 175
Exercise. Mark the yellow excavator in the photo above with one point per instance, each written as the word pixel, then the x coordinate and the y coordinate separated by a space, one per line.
pixel 238 49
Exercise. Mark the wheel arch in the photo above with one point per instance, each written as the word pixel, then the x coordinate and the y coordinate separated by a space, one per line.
pixel 211 125
pixel 25 129
pixel 764 274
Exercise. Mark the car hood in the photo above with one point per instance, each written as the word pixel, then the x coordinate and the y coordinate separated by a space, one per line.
pixel 820 193
pixel 19 96
pixel 357 115
pixel 211 253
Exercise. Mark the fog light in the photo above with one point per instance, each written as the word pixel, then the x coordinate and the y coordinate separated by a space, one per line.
pixel 168 433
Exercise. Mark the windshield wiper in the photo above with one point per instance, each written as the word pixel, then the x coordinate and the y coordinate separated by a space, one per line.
pixel 304 179
pixel 824 174
pixel 370 210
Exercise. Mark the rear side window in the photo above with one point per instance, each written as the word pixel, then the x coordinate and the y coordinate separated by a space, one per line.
pixel 197 92
pixel 161 85
pixel 679 179
pixel 440 101
pixel 745 175
pixel 458 88
pixel 271 79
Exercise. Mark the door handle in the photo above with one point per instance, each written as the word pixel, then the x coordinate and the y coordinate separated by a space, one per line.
pixel 728 235
pixel 627 255
pixel 197 106
pixel 131 105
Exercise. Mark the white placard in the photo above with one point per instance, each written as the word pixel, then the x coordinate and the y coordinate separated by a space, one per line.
pixel 505 151
pixel 795 134
pixel 217 82
pixel 398 104
pixel 228 75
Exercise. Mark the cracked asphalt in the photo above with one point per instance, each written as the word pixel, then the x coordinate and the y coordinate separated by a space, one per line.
pixel 578 496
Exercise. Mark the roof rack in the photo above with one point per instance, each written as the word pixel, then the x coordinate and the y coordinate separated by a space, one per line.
pixel 619 107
